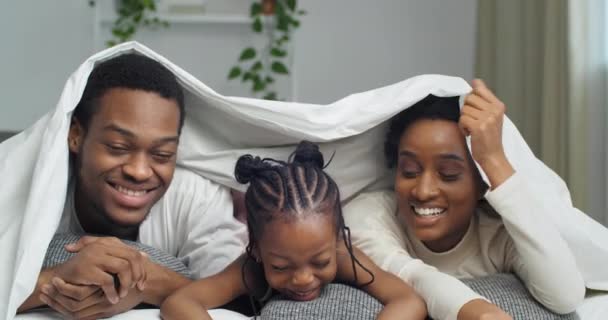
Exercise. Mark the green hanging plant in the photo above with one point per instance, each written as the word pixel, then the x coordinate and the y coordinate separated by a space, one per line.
pixel 132 15
pixel 258 67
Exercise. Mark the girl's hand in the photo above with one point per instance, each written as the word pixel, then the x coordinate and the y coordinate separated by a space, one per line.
pixel 399 298
pixel 193 300
pixel 482 310
pixel 177 307
pixel 481 117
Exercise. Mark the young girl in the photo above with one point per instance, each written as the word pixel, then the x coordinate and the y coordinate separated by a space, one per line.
pixel 298 243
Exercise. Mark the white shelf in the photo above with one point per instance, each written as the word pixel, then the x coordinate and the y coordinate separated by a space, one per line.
pixel 195 19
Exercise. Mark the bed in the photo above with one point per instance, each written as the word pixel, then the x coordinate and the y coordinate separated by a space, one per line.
pixel 594 307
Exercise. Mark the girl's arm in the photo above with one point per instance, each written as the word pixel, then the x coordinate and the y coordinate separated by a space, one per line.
pixel 399 299
pixel 193 300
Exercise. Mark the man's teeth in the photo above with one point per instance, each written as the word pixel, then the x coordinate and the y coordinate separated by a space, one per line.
pixel 428 211
pixel 129 192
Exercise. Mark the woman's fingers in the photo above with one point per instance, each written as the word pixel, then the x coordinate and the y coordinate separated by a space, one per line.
pixel 480 88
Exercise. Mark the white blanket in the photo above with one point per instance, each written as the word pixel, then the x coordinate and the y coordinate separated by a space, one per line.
pixel 34 164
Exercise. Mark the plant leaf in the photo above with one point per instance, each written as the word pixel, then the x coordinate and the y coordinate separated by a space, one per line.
pixel 283 39
pixel 248 53
pixel 257 25
pixel 258 84
pixel 116 32
pixel 149 4
pixel 234 73
pixel 269 79
pixel 246 76
pixel 292 4
pixel 270 96
pixel 279 10
pixel 255 10
pixel 257 66
pixel 279 67
pixel 302 12
pixel 276 52
pixel 282 24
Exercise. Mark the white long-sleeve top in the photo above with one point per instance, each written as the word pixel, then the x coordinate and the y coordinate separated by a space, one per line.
pixel 522 240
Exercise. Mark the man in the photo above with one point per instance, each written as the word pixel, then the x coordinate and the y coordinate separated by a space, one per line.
pixel 123 141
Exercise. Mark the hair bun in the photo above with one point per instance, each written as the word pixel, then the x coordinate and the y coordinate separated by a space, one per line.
pixel 247 167
pixel 308 153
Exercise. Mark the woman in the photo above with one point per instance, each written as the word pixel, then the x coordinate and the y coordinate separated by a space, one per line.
pixel 443 222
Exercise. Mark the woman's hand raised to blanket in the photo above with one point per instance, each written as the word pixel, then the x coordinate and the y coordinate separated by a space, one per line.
pixel 481 117
pixel 98 260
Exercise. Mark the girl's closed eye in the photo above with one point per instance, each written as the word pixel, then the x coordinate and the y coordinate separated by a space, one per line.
pixel 321 264
pixel 279 268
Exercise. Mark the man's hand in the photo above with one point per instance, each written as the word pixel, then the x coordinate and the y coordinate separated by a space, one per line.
pixel 61 295
pixel 97 261
pixel 85 302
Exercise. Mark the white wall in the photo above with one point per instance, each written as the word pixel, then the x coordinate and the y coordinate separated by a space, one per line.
pixel 343 46
pixel 355 45
pixel 42 43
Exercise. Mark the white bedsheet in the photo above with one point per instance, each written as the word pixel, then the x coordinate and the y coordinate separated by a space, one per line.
pixel 218 129
pixel 595 307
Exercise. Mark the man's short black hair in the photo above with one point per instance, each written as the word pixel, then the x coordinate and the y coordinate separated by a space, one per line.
pixel 430 108
pixel 130 71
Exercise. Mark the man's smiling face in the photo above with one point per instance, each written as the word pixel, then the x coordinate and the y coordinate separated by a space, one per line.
pixel 125 159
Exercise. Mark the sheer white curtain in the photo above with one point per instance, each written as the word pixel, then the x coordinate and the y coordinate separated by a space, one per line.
pixel 588 91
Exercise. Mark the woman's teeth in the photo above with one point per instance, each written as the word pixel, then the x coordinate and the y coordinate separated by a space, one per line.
pixel 426 212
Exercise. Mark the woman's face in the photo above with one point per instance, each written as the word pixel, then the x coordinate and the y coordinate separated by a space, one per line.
pixel 436 183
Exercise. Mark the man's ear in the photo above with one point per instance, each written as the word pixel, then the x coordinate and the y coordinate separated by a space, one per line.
pixel 255 254
pixel 75 136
